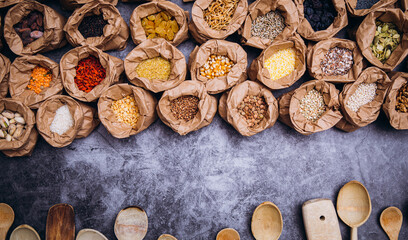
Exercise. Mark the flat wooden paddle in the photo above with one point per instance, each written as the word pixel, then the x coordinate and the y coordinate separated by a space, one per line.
pixel 60 223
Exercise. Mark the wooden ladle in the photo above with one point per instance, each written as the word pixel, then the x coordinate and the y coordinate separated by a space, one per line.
pixel 90 234
pixel 60 223
pixel 6 219
pixel 24 232
pixel 391 222
pixel 353 206
pixel 228 234
pixel 131 224
pixel 267 222
pixel 166 237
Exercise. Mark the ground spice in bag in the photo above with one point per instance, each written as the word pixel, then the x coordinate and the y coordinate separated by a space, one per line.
pixel 52 38
pixel 207 107
pixel 21 77
pixel 72 4
pixel 4 75
pixel 366 32
pixel 232 51
pixel 145 102
pixel 150 49
pixel 258 71
pixel 306 30
pixel 318 53
pixel 398 119
pixel 232 108
pixel 113 68
pixel 114 34
pixel 259 8
pixel 144 10
pixel 352 7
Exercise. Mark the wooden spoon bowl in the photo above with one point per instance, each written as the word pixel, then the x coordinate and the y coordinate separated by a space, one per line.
pixel 166 237
pixel 6 219
pixel 267 223
pixel 228 234
pixel 131 224
pixel 24 232
pixel 60 223
pixel 391 222
pixel 90 234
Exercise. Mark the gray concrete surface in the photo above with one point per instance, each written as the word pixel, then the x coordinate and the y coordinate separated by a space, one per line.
pixel 193 186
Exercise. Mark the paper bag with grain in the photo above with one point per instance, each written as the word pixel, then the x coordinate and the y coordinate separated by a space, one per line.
pixel 4 75
pixel 358 12
pixel 396 101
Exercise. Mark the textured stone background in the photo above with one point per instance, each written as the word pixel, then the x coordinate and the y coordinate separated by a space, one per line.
pixel 193 186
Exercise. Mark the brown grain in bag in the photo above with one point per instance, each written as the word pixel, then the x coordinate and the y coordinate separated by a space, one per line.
pixel 261 7
pixel 4 75
pixel 91 120
pixel 20 75
pixel 145 102
pixel 138 33
pixel 115 33
pixel 228 107
pixel 200 29
pixel 207 107
pixel 306 30
pixel 233 51
pixel 257 71
pixel 113 66
pixel 366 32
pixel 317 52
pixel 72 4
pixel 53 37
pixel 351 7
pixel 398 120
pixel 25 150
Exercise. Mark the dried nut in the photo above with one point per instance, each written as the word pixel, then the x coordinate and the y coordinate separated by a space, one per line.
pixel 20 120
pixel 386 40
pixel 4 123
pixel 17 115
pixel 12 128
pixel 12 121
pixel 8 138
pixel 8 114
pixel 3 134
pixel 36 34
pixel 18 132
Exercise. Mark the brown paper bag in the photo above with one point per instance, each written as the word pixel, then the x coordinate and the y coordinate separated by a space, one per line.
pixel 7 3
pixel 257 71
pixel 207 107
pixel 404 5
pixel 27 149
pixel 351 7
pixel 200 29
pixel 145 101
pixel 115 33
pixel 144 10
pixel 154 48
pixel 228 107
pixel 258 8
pixel 366 32
pixel 306 30
pixel 46 114
pixel 346 126
pixel 284 102
pixel 20 74
pixel 113 66
pixel 330 118
pixel 369 112
pixel 316 54
pixel 398 120
pixel 72 4
pixel 233 51
pixel 4 75
pixel 91 120
pixel 29 117
pixel 53 37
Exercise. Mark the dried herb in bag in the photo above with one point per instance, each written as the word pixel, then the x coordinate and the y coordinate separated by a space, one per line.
pixel 396 100
pixel 73 4
pixel 358 8
pixel 4 75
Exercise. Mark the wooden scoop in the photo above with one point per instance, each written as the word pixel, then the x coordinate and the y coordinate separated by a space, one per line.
pixel 391 222
pixel 90 234
pixel 267 222
pixel 24 232
pixel 131 224
pixel 60 223
pixel 6 219
pixel 354 206
pixel 166 237
pixel 228 234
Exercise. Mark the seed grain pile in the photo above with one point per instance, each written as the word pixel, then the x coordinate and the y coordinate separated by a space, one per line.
pixel 126 110
pixel 268 26
pixel 89 73
pixel 253 109
pixel 92 26
pixel 216 66
pixel 281 63
pixel 161 24
pixel 219 13
pixel 184 107
pixel 312 105
pixel 365 93
pixel 157 68
pixel 402 99
pixel 12 125
pixel 31 27
pixel 337 61
pixel 319 13
pixel 40 79
pixel 386 40
pixel 62 121
pixel 365 4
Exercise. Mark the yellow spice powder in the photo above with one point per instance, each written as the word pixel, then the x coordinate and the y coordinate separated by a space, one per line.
pixel 281 63
pixel 156 68
pixel 40 79
pixel 126 110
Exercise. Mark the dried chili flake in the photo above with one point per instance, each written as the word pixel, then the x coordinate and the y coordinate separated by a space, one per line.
pixel 89 73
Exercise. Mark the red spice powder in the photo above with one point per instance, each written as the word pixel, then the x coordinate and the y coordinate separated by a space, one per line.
pixel 89 73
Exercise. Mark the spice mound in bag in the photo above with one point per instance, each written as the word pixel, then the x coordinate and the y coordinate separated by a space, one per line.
pixel 32 39
pixel 34 79
pixel 390 45
pixel 87 72
pixel 97 24
pixel 216 19
pixel 268 21
pixel 314 107
pixel 187 107
pixel 321 19
pixel 358 8
pixel 4 75
pixel 126 110
pixel 156 65
pixel 249 107
pixel 396 101
pixel 335 60
pixel 72 4
pixel 159 19
pixel 281 64
pixel 219 64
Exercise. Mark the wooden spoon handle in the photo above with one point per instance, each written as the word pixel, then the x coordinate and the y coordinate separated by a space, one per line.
pixel 354 235
pixel 3 234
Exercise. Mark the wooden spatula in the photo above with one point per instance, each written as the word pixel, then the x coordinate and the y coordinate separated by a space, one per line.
pixel 60 223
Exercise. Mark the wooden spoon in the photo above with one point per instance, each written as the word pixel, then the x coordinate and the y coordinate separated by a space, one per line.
pixel 391 222
pixel 24 232
pixel 131 224
pixel 228 234
pixel 166 237
pixel 6 219
pixel 90 234
pixel 354 206
pixel 267 222
pixel 60 223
